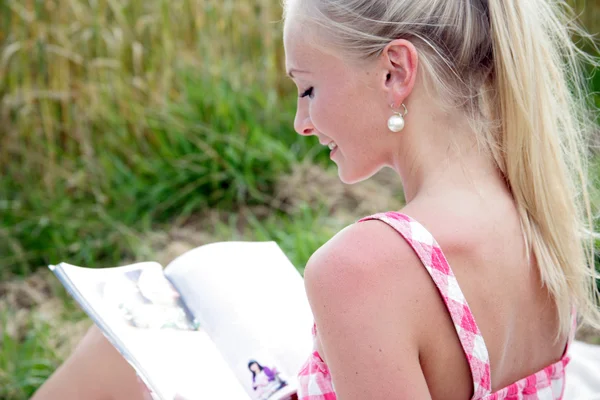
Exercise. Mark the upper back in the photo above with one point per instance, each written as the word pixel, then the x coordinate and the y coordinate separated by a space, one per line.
pixel 486 251
pixel 453 301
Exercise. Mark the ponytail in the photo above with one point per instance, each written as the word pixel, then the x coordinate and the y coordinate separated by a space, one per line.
pixel 540 102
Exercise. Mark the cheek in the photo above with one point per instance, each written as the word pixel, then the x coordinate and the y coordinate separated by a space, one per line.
pixel 333 114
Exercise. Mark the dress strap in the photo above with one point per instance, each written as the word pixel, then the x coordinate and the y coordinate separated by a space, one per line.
pixel 430 254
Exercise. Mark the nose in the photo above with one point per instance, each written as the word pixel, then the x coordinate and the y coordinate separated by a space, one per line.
pixel 303 124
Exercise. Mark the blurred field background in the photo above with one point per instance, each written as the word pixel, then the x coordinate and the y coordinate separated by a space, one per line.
pixel 135 130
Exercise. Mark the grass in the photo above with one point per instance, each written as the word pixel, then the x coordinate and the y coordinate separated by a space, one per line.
pixel 27 361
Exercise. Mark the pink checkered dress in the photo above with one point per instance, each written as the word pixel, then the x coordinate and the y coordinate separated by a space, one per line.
pixel 548 384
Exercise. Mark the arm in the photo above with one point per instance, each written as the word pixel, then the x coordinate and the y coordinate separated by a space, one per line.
pixel 270 374
pixel 365 304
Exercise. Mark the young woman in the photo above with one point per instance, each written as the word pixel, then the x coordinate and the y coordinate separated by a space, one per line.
pixel 470 103
pixel 265 381
pixel 471 290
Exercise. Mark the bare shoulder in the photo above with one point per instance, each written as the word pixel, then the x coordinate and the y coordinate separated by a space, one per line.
pixel 365 247
pixel 364 290
pixel 367 266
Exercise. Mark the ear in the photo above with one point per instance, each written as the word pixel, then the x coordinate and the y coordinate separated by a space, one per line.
pixel 400 62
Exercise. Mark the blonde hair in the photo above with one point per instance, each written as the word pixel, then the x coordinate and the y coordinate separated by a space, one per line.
pixel 512 66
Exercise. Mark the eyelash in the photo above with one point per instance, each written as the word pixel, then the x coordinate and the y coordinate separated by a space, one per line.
pixel 307 92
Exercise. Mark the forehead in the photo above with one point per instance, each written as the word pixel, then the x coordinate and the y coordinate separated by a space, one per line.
pixel 297 42
pixel 304 50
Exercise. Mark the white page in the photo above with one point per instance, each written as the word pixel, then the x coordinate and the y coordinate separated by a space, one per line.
pixel 180 360
pixel 252 302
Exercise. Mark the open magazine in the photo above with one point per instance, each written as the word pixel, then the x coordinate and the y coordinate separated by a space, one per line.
pixel 226 320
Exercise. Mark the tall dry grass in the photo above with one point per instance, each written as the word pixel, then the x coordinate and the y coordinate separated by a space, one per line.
pixel 116 114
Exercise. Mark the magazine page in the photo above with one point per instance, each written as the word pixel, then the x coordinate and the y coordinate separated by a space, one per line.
pixel 143 316
pixel 251 301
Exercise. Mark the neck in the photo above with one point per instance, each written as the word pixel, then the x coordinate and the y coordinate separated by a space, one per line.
pixel 441 155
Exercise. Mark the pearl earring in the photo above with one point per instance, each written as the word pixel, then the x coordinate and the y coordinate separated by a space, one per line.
pixel 396 121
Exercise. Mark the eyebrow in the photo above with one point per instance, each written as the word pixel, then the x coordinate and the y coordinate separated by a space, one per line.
pixel 292 71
